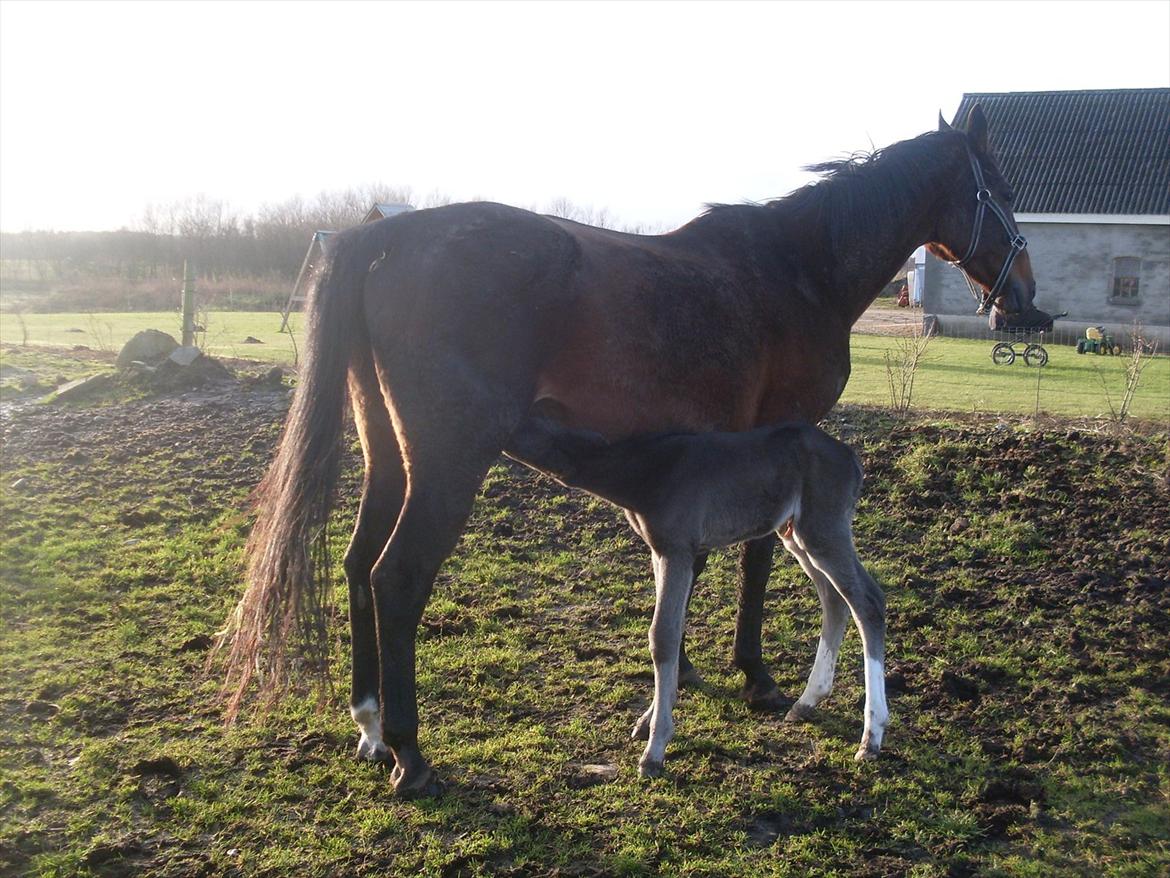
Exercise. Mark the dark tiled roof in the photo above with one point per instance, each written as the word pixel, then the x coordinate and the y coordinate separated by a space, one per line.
pixel 1082 151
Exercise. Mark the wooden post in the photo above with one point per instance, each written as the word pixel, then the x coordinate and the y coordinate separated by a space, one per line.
pixel 188 303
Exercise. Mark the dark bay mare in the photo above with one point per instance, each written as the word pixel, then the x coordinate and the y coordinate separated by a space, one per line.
pixel 447 325
pixel 687 493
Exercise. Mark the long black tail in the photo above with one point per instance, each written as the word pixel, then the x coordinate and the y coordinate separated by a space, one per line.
pixel 286 598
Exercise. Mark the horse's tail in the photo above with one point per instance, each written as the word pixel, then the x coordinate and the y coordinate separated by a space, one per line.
pixel 287 592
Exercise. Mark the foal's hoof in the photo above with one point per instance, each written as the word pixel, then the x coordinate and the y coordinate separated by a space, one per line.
pixel 800 713
pixel 426 785
pixel 641 730
pixel 866 754
pixel 691 679
pixel 648 768
pixel 370 751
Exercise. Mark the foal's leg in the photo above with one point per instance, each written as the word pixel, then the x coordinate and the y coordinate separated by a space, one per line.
pixel 835 556
pixel 382 494
pixel 673 577
pixel 755 563
pixel 834 615
pixel 688 675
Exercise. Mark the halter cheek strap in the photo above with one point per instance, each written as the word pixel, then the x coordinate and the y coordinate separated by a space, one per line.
pixel 983 202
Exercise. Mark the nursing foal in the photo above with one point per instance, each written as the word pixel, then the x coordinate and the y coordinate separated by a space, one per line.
pixel 686 493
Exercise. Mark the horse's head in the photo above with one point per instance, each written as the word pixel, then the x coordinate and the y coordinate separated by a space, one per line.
pixel 976 229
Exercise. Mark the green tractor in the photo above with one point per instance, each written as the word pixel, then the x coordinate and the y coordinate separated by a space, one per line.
pixel 1097 342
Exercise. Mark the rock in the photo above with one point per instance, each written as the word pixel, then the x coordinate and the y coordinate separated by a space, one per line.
pixel 959 525
pixel 42 709
pixel 81 388
pixel 251 339
pixel 148 346
pixel 185 356
pixel 591 775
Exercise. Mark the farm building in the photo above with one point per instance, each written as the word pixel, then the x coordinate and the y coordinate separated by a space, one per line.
pixel 1091 173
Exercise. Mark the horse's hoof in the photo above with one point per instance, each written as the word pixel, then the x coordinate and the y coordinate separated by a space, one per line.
pixel 691 679
pixel 866 754
pixel 641 730
pixel 771 701
pixel 648 768
pixel 800 713
pixel 369 751
pixel 427 785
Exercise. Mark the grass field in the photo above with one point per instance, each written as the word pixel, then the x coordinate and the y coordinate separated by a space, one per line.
pixel 1028 577
pixel 955 375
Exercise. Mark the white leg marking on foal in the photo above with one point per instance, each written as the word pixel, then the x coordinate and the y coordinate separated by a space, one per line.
pixel 820 678
pixel 876 712
pixel 369 720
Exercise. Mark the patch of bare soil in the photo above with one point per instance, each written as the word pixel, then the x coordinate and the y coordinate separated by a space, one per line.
pixel 225 424
pixel 889 321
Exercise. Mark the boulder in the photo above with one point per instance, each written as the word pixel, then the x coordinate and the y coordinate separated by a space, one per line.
pixel 185 356
pixel 148 346
pixel 81 388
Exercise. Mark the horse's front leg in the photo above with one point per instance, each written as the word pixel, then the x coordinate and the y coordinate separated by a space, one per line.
pixel 755 564
pixel 673 576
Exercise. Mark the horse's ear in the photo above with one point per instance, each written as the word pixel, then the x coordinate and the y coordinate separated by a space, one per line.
pixel 942 123
pixel 977 128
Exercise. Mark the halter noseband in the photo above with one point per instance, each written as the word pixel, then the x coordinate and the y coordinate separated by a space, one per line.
pixel 983 201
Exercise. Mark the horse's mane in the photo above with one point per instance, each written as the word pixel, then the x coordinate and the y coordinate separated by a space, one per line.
pixel 859 192
pixel 865 190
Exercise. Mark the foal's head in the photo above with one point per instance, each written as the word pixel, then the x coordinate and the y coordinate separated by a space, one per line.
pixel 977 230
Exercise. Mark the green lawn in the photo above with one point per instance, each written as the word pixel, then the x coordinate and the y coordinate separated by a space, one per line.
pixel 955 374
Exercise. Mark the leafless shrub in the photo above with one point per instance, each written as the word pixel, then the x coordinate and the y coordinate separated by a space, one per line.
pixel 1139 357
pixel 19 315
pixel 902 367
pixel 101 332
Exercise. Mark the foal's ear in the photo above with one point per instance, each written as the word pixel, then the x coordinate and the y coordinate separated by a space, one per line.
pixel 977 128
pixel 943 125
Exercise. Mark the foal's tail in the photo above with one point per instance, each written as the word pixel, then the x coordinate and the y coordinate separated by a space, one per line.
pixel 286 597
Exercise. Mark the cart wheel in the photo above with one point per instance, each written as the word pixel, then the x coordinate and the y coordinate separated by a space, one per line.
pixel 1035 355
pixel 1080 347
pixel 1003 354
pixel 1117 350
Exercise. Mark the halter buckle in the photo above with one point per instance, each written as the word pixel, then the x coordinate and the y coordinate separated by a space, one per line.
pixel 1019 242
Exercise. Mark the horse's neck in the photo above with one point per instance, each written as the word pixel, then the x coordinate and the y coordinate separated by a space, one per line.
pixel 861 268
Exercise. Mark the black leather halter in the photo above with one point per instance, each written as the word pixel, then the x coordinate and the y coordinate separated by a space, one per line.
pixel 983 201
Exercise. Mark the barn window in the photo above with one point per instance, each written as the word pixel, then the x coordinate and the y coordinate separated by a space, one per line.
pixel 1126 275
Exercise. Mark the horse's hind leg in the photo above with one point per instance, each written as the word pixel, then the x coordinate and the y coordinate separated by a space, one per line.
pixel 382 495
pixel 833 554
pixel 688 675
pixel 834 616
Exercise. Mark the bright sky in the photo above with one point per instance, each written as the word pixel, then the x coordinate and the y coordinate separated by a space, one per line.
pixel 647 109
